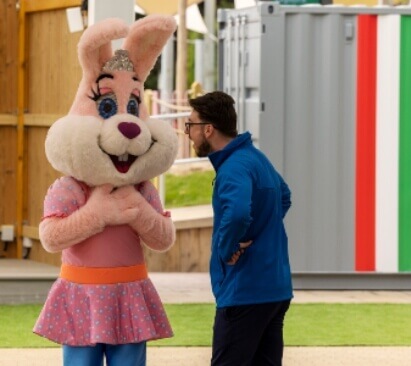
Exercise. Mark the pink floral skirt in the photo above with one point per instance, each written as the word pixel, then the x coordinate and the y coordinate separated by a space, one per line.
pixel 83 315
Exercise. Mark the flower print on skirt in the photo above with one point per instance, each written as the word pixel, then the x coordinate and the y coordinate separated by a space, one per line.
pixel 83 315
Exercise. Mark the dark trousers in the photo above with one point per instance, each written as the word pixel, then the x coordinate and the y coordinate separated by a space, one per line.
pixel 249 335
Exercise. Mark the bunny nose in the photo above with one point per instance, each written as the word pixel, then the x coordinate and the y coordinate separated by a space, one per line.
pixel 129 130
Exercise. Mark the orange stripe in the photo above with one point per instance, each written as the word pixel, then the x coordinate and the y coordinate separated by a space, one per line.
pixel 105 275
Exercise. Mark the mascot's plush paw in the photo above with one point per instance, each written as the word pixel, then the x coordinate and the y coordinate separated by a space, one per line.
pixel 114 206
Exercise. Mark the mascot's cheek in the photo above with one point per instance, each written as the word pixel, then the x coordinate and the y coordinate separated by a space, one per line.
pixel 164 151
pixel 97 171
pixel 72 144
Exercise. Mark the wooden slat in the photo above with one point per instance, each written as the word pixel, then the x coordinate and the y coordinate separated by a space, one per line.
pixel 31 232
pixel 169 7
pixel 21 100
pixel 190 253
pixel 39 172
pixel 54 72
pixel 195 250
pixel 193 224
pixel 163 262
pixel 8 52
pixel 38 254
pixel 8 120
pixel 40 120
pixel 8 161
pixel 43 5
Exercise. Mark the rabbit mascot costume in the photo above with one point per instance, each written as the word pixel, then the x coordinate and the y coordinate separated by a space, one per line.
pixel 103 305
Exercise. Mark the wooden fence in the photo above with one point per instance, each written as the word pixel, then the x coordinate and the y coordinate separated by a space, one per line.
pixel 40 74
pixel 8 114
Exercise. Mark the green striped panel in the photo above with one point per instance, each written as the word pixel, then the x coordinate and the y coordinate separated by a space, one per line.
pixel 404 250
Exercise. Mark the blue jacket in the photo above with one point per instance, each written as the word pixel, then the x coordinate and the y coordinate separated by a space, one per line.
pixel 250 200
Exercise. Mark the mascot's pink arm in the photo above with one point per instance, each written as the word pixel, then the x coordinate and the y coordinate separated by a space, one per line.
pixel 58 233
pixel 155 229
pixel 106 207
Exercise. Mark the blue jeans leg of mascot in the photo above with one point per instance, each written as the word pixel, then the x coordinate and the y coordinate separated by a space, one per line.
pixel 133 354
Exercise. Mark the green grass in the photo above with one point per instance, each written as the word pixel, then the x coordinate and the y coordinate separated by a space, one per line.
pixel 189 189
pixel 305 325
pixel 348 324
pixel 16 323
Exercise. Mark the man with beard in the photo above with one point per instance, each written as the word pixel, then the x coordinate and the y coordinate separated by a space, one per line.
pixel 249 265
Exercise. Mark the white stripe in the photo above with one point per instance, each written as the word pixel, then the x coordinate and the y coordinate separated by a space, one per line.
pixel 387 142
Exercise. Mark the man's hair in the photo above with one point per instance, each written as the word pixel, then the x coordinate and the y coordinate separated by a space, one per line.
pixel 217 108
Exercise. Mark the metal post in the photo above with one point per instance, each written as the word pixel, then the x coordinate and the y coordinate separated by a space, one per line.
pixel 209 46
pixel 103 9
pixel 166 86
pixel 199 61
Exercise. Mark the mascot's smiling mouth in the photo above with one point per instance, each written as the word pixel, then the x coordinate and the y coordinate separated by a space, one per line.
pixel 124 162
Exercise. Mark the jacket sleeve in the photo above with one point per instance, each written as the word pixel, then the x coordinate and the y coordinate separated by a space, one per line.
pixel 285 196
pixel 234 195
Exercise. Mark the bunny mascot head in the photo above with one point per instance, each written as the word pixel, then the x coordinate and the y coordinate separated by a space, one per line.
pixel 108 137
pixel 104 207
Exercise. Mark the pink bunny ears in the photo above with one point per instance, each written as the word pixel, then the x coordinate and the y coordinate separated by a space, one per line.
pixel 144 40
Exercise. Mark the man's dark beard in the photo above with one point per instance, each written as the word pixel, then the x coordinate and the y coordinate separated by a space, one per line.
pixel 204 149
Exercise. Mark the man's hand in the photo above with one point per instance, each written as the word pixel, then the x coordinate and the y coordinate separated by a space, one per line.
pixel 236 256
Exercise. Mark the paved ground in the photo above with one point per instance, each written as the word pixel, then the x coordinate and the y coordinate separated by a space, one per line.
pixel 195 288
pixel 200 356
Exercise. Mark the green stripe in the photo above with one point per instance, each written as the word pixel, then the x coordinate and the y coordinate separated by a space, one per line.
pixel 405 147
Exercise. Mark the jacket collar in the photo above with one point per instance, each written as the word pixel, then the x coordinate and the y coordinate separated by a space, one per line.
pixel 218 157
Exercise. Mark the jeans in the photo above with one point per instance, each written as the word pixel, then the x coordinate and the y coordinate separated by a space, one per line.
pixel 133 354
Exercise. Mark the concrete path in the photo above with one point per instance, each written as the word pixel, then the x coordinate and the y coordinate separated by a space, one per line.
pixel 177 288
pixel 200 356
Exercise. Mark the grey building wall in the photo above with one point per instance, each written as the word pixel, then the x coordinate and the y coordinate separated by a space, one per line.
pixel 293 77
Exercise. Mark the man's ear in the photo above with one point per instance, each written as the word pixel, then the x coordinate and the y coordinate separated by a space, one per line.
pixel 209 130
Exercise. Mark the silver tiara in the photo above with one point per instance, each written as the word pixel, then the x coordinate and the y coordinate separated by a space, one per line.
pixel 119 62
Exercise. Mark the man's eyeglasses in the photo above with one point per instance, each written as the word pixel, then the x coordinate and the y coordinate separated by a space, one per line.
pixel 187 125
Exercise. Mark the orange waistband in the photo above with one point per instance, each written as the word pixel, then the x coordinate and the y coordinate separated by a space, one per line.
pixel 105 275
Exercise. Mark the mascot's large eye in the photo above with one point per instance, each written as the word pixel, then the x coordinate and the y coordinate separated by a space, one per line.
pixel 107 106
pixel 132 106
